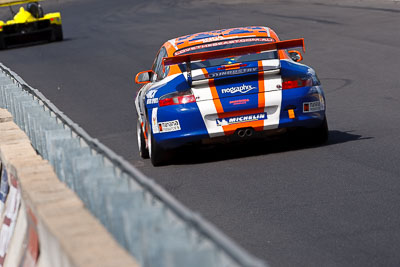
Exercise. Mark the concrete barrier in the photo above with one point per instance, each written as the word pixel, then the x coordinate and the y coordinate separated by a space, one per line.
pixel 143 218
pixel 43 222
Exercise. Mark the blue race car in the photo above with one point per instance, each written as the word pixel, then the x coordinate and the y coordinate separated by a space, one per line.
pixel 223 85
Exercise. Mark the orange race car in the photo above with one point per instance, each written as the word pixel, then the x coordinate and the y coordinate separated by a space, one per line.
pixel 224 85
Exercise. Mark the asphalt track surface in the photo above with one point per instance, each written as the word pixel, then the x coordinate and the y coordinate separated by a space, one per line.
pixel 290 204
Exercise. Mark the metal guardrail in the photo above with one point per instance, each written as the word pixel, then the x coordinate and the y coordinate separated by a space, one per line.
pixel 152 225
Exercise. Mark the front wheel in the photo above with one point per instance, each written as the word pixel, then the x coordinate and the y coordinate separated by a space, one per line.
pixel 158 155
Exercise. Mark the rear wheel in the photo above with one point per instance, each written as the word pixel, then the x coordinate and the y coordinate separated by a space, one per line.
pixel 143 151
pixel 310 136
pixel 320 134
pixel 158 155
pixel 2 42
pixel 57 33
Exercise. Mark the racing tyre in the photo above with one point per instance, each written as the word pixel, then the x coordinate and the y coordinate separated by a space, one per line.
pixel 320 135
pixel 143 151
pixel 57 33
pixel 2 42
pixel 158 155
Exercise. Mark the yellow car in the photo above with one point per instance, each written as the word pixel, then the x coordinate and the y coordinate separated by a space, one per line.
pixel 29 24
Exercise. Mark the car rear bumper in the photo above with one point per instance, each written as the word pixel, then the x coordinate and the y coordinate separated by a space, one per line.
pixel 21 33
pixel 190 125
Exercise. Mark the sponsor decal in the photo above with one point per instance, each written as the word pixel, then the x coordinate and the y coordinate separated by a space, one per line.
pixel 4 187
pixel 32 240
pixel 152 101
pixel 240 119
pixel 169 126
pixel 226 42
pixel 238 89
pixel 311 106
pixel 151 93
pixel 216 38
pixel 322 101
pixel 154 120
pixel 232 72
pixel 239 102
pixel 9 218
pixel 230 60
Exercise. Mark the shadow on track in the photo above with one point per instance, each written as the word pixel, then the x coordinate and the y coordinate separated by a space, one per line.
pixel 205 154
pixel 32 43
pixel 337 137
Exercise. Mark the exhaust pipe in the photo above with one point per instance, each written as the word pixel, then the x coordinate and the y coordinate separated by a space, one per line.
pixel 248 132
pixel 241 133
pixel 245 132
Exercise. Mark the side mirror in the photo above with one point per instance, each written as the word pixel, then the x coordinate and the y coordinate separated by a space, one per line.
pixel 295 55
pixel 143 76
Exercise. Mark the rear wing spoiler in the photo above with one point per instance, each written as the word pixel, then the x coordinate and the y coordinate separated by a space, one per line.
pixel 237 51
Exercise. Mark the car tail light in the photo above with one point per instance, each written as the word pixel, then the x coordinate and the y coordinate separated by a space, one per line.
pixel 176 99
pixel 289 83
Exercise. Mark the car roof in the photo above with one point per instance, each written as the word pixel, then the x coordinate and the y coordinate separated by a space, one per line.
pixel 217 35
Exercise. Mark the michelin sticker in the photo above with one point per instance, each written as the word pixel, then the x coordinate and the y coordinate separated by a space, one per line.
pixel 240 119
pixel 169 126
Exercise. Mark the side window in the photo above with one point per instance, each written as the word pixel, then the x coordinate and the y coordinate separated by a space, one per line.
pixel 164 72
pixel 158 67
pixel 155 67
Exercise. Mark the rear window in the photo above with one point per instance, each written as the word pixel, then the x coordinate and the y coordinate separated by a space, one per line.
pixel 232 60
pixel 224 45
